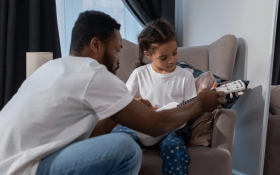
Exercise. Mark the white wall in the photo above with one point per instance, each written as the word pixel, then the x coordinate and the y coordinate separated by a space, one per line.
pixel 251 21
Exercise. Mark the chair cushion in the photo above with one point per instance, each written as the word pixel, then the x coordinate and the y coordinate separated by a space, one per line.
pixel 203 160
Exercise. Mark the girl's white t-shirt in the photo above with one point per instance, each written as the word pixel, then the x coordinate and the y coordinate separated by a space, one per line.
pixel 57 105
pixel 161 89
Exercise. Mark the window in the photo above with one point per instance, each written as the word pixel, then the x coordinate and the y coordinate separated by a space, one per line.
pixel 69 10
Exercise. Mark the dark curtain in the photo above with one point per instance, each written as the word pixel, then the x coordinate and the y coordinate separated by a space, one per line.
pixel 25 26
pixel 276 62
pixel 147 10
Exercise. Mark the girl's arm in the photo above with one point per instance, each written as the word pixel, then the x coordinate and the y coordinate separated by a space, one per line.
pixel 132 85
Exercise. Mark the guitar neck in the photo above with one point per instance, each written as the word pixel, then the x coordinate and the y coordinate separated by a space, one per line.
pixel 229 88
pixel 190 100
pixel 186 102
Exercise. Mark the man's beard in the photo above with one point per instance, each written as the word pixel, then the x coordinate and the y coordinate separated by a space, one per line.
pixel 109 62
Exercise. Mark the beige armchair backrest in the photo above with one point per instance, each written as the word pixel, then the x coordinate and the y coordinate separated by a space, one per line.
pixel 218 57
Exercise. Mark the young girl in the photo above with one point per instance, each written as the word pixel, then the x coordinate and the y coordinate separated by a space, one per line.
pixel 160 83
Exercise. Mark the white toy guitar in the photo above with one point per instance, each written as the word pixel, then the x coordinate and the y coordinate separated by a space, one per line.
pixel 236 87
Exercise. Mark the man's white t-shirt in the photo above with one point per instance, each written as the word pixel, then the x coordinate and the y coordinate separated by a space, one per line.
pixel 161 89
pixel 57 105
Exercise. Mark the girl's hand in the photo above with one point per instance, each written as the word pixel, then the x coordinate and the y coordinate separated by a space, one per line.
pixel 146 102
pixel 155 108
pixel 214 85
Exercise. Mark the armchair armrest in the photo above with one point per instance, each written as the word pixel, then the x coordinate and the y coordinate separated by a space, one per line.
pixel 224 129
pixel 272 152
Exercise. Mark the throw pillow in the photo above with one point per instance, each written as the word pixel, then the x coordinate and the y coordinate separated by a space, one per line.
pixel 205 81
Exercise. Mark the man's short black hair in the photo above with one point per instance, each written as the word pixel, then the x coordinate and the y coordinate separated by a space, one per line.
pixel 92 24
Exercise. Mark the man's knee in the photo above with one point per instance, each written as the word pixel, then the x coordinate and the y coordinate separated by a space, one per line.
pixel 130 145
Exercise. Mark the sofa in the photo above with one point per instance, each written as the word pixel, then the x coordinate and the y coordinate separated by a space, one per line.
pixel 219 58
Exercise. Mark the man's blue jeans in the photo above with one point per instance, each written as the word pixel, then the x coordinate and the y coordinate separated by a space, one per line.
pixel 116 154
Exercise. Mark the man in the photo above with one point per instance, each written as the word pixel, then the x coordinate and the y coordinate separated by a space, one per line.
pixel 46 125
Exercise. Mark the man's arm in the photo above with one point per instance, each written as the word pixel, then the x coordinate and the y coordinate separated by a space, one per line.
pixel 139 117
pixel 105 126
pixel 102 127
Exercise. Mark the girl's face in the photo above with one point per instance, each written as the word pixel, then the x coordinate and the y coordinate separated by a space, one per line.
pixel 164 57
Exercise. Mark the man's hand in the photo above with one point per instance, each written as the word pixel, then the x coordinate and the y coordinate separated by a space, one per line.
pixel 210 100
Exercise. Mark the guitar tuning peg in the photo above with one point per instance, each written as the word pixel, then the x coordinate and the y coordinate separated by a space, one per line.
pixel 240 93
pixel 230 95
pixel 236 94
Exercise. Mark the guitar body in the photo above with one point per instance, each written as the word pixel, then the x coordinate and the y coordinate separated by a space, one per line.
pixel 149 140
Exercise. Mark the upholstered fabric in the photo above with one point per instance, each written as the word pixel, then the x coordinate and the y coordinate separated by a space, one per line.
pixel 219 58
pixel 272 150
pixel 201 130
pixel 197 72
pixel 222 55
pixel 204 81
pixel 223 130
pixel 128 57
pixel 197 57
pixel 203 161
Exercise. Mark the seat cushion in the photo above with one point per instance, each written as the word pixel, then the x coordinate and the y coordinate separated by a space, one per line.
pixel 203 160
pixel 151 163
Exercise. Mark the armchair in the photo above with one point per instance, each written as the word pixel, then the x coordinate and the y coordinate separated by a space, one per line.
pixel 219 58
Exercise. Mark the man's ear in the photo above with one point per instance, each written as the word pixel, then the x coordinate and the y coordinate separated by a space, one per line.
pixel 147 55
pixel 95 45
